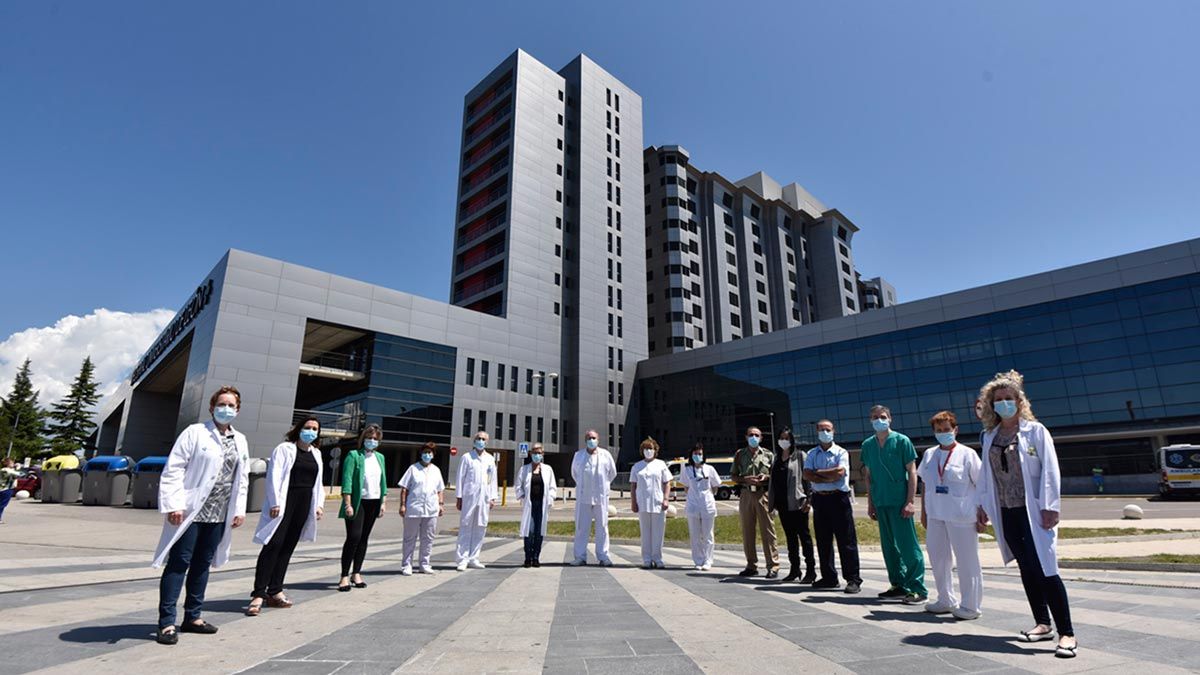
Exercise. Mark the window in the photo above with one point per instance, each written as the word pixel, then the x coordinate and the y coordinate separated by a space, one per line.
pixel 610 266
pixel 849 286
pixel 466 428
pixel 608 97
pixel 560 145
pixel 611 395
pixel 845 267
pixel 758 266
pixel 499 375
pixel 557 309
pixel 470 372
pixel 762 288
pixel 610 436
pixel 850 303
pixel 560 95
pixel 651 346
pixel 729 222
pixel 731 258
pixel 732 279
pixel 727 200
pixel 754 212
pixel 558 196
pixel 841 233
pixel 512 427
pixel 618 272
pixel 845 251
pixel 735 320
pixel 617 102
pixel 620 359
pixel 619 293
pixel 528 382
pixel 611 354
pixel 542 383
pixel 482 420
pixel 541 428
pixel 762 307
pixel 528 428
pixel 512 384
pixel 499 426
pixel 560 120
pixel 757 248
pixel 483 374
pixel 557 279
pixel 762 327
pixel 610 173
pixel 554 431
pixel 610 323
pixel 620 393
pixel 733 299
pixel 617 125
pixel 729 238
pixel 554 387
pixel 620 327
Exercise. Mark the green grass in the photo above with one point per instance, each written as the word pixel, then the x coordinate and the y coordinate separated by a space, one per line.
pixel 1169 558
pixel 727 530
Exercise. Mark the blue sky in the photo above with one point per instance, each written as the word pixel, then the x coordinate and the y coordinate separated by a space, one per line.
pixel 971 142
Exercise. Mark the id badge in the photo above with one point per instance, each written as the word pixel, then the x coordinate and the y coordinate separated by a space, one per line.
pixel 941 489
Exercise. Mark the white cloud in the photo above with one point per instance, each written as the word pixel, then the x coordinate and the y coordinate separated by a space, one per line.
pixel 115 341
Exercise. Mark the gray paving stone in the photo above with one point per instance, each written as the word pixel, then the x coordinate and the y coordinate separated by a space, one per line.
pixel 653 646
pixel 655 665
pixel 298 667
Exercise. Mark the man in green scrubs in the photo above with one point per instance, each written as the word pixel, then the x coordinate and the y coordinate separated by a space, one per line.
pixel 890 463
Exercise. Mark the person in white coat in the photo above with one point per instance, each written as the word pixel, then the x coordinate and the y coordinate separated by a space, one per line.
pixel 593 471
pixel 475 495
pixel 950 472
pixel 422 502
pixel 202 493
pixel 649 496
pixel 1019 491
pixel 294 503
pixel 536 490
pixel 701 481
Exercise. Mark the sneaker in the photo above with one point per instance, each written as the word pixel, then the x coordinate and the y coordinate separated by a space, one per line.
pixel 475 565
pixel 706 567
pixel 893 593
pixel 426 569
pixel 913 599
pixel 939 607
pixel 966 614
pixel 699 568
pixel 606 563
pixel 462 566
pixel 406 571
pixel 578 562
pixel 167 636
pixel 809 577
pixel 825 583
pixel 853 587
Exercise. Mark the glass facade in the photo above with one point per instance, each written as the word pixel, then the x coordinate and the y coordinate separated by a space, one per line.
pixel 1114 363
pixel 410 391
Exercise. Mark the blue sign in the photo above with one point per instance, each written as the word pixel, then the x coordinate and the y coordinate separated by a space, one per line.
pixel 523 450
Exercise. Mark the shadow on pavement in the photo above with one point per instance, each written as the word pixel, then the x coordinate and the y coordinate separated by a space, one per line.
pixel 969 643
pixel 109 634
pixel 915 616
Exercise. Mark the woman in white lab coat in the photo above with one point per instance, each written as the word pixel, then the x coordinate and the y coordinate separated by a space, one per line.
pixel 293 505
pixel 650 491
pixel 536 490
pixel 1019 490
pixel 701 481
pixel 203 494
pixel 950 472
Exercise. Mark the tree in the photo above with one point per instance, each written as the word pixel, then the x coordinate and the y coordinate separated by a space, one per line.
pixel 21 418
pixel 72 416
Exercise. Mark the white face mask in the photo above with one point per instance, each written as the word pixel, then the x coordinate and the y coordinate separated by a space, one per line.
pixel 784 445
pixel 648 453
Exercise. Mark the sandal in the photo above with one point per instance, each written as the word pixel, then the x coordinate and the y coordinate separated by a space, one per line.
pixel 1030 636
pixel 253 609
pixel 278 602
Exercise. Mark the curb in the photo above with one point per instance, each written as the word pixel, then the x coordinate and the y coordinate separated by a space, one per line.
pixel 1129 566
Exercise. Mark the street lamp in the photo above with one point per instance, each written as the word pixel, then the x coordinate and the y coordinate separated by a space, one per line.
pixel 772 414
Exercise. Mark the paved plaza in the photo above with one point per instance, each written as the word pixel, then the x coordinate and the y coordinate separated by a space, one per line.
pixel 77 596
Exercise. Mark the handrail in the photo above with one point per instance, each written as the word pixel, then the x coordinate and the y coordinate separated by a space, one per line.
pixel 483 103
pixel 477 288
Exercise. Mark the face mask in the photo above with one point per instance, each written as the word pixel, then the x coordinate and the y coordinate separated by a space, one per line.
pixel 945 438
pixel 825 436
pixel 752 441
pixel 537 459
pixel 1005 409
pixel 308 435
pixel 592 443
pixel 784 445
pixel 426 457
pixel 648 453
pixel 480 444
pixel 881 424
pixel 370 444
pixel 224 414
pixel 697 459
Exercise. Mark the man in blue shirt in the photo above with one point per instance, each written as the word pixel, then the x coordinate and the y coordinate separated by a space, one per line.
pixel 827 467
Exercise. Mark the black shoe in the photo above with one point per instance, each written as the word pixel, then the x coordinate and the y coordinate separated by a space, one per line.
pixel 914 599
pixel 825 583
pixel 167 637
pixel 360 584
pixel 528 563
pixel 792 575
pixel 853 587
pixel 893 593
pixel 344 589
pixel 749 572
pixel 773 574
pixel 536 563
pixel 204 627
pixel 809 577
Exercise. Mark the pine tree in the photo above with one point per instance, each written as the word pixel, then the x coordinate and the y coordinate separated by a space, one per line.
pixel 21 418
pixel 72 416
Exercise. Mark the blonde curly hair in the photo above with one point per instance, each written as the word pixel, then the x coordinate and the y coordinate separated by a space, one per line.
pixel 987 395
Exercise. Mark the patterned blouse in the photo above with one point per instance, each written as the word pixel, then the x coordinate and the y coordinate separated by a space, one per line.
pixel 1006 467
pixel 216 507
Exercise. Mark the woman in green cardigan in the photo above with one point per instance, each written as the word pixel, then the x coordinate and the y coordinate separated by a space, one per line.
pixel 364 498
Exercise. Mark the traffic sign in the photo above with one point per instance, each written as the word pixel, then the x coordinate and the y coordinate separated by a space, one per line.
pixel 523 450
pixel 335 452
pixel 453 451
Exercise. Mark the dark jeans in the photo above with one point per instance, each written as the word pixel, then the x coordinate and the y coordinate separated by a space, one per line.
pixel 276 555
pixel 1046 595
pixel 833 517
pixel 795 530
pixel 533 541
pixel 5 496
pixel 189 560
pixel 358 532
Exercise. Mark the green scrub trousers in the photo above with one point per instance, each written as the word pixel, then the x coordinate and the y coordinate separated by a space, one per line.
pixel 901 550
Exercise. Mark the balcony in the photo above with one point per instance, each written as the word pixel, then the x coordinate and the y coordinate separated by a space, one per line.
pixel 478 255
pixel 481 201
pixel 481 104
pixel 337 365
pixel 484 125
pixel 481 281
pixel 479 152
pixel 483 174
pixel 344 422
pixel 480 228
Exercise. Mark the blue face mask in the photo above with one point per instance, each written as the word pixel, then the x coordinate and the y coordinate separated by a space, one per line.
pixel 308 435
pixel 592 443
pixel 370 444
pixel 825 436
pixel 480 444
pixel 945 438
pixel 753 441
pixel 224 414
pixel 536 459
pixel 697 459
pixel 1005 409
pixel 426 457
pixel 881 424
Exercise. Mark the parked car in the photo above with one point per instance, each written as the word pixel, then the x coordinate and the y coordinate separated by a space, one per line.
pixel 722 464
pixel 30 480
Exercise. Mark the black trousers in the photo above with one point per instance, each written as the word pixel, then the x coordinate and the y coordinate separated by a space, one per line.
pixel 1046 595
pixel 833 517
pixel 276 555
pixel 533 541
pixel 795 530
pixel 358 532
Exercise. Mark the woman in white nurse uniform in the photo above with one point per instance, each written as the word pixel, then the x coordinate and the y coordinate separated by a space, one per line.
pixel 701 480
pixel 650 481
pixel 951 472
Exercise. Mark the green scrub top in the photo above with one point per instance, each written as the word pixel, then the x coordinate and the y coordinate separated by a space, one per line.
pixel 889 476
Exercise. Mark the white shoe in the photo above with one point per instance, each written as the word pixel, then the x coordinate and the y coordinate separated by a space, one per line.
pixel 706 566
pixel 577 562
pixel 699 568
pixel 407 571
pixel 966 614
pixel 476 565
pixel 462 566
pixel 426 569
pixel 939 607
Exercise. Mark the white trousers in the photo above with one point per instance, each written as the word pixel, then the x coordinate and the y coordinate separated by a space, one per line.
pixel 700 528
pixel 585 515
pixel 470 539
pixel 948 542
pixel 424 529
pixel 654 527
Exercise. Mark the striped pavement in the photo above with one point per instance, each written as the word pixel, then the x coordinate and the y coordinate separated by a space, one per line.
pixel 95 614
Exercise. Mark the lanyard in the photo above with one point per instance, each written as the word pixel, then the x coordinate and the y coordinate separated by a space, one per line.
pixel 942 467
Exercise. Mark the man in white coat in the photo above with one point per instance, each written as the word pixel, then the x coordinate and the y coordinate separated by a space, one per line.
pixel 476 491
pixel 202 492
pixel 593 469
